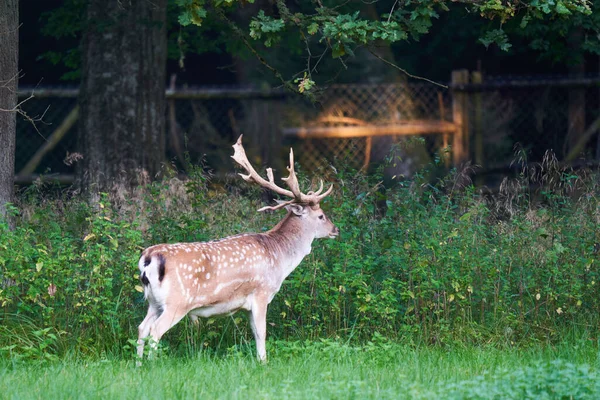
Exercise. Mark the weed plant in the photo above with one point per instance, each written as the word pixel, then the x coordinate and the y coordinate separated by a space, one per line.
pixel 417 262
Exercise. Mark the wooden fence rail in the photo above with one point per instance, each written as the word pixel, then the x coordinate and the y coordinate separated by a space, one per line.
pixel 461 125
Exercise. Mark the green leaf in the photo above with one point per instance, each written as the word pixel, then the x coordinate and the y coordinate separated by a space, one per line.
pixel 338 50
pixel 185 18
pixel 498 37
pixel 466 217
pixel 561 9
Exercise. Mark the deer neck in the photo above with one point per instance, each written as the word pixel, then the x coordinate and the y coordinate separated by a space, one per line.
pixel 292 242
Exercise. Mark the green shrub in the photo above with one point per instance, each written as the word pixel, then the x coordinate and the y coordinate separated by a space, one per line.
pixel 432 263
pixel 552 380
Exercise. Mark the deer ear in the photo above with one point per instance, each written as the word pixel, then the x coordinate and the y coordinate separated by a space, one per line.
pixel 297 209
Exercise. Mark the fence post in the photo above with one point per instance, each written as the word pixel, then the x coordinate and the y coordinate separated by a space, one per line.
pixel 459 116
pixel 477 78
pixel 445 156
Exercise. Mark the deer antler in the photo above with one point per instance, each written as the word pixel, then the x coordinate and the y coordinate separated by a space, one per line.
pixel 311 198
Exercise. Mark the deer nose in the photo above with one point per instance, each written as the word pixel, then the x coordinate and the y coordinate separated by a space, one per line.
pixel 335 232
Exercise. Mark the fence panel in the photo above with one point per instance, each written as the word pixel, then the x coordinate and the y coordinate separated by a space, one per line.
pixel 538 113
pixel 375 105
pixel 203 123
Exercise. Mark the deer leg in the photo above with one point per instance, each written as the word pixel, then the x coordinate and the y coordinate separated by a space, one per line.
pixel 144 329
pixel 194 319
pixel 165 322
pixel 258 321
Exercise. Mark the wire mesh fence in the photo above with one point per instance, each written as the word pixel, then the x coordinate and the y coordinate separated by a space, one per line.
pixel 203 123
pixel 539 114
pixel 363 105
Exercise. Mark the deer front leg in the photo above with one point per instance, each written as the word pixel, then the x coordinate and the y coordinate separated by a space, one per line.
pixel 144 329
pixel 258 321
pixel 194 319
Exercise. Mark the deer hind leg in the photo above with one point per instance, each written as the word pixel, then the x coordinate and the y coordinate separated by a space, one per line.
pixel 258 321
pixel 144 329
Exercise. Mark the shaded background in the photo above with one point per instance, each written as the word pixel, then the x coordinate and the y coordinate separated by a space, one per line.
pixel 525 100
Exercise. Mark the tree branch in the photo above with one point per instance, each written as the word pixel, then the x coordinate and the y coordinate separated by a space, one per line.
pixel 405 71
pixel 18 107
pixel 236 29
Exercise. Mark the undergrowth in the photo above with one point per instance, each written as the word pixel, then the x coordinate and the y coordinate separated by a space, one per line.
pixel 417 261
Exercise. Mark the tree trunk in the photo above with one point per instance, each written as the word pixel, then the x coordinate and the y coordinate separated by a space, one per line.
pixel 9 74
pixel 122 95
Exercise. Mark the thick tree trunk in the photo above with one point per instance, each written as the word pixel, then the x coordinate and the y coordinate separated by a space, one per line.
pixel 122 95
pixel 9 74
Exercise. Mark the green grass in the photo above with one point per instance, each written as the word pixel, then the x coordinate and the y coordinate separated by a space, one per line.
pixel 325 370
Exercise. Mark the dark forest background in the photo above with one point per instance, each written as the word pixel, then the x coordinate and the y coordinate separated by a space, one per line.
pixel 51 31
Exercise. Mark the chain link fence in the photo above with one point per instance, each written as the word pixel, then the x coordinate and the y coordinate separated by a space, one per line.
pixel 203 123
pixel 537 113
pixel 367 106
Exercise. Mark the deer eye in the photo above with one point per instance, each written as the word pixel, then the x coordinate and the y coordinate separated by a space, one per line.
pixel 321 216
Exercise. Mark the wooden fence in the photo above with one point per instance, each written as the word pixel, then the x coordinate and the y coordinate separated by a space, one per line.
pixel 460 115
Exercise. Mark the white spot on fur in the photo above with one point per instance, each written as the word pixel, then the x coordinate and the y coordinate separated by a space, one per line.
pixel 181 285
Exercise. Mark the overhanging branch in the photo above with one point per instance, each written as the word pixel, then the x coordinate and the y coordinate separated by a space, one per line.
pixel 405 71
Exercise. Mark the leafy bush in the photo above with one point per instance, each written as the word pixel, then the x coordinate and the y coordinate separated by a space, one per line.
pixel 552 380
pixel 432 263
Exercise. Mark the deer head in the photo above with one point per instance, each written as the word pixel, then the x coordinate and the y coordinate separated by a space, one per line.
pixel 305 206
pixel 242 272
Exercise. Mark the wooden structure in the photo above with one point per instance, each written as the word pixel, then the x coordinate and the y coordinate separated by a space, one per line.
pixel 337 127
pixel 346 128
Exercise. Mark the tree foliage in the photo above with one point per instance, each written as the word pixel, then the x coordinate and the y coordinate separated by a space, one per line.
pixel 343 28
pixel 322 30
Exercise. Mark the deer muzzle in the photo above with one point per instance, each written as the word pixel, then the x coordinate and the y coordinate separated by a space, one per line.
pixel 334 232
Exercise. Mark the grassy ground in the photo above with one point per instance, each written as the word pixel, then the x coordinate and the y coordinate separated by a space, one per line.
pixel 324 370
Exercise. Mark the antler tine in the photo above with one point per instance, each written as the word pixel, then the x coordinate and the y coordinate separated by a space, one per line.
pixel 239 155
pixel 292 179
pixel 315 197
pixel 270 175
pixel 327 193
pixel 278 206
pixel 318 192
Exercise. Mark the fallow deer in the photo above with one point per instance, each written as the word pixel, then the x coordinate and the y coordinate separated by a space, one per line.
pixel 242 272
